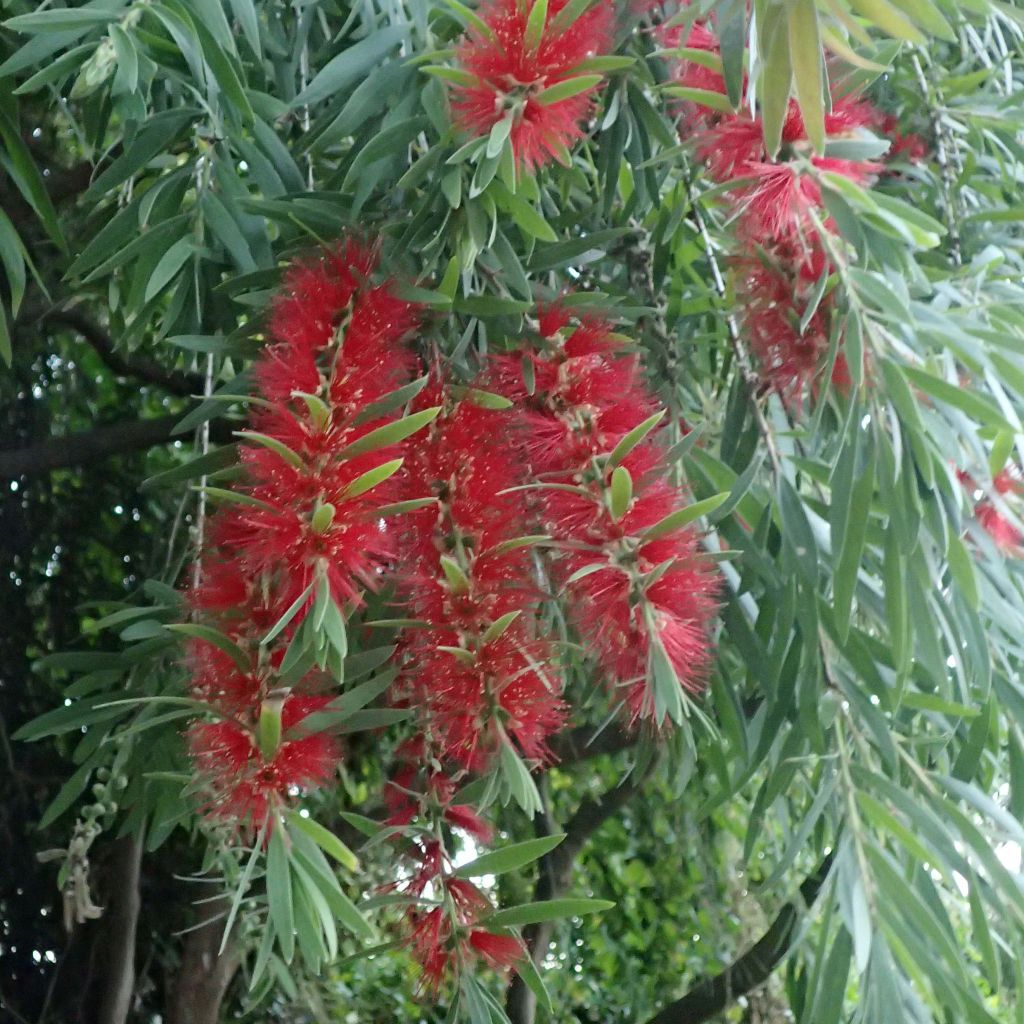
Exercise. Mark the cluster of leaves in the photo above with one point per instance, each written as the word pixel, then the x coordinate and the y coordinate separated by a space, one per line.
pixel 867 685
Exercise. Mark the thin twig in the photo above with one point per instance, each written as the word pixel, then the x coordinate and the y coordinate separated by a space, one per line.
pixel 942 157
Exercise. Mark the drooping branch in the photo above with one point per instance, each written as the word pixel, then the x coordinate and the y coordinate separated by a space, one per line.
pixel 131 367
pixel 555 877
pixel 749 971
pixel 585 742
pixel 94 445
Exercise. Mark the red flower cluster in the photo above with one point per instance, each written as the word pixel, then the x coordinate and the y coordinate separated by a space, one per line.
pixel 446 937
pixel 304 527
pixel 1005 535
pixel 479 674
pixel 780 217
pixel 291 556
pixel 511 73
pixel 638 590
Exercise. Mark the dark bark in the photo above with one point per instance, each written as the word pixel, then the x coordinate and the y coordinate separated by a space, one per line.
pixel 204 974
pixel 129 367
pixel 120 921
pixel 711 996
pixel 555 878
pixel 99 443
pixel 581 743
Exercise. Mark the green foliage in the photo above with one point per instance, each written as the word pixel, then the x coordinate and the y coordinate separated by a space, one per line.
pixel 866 705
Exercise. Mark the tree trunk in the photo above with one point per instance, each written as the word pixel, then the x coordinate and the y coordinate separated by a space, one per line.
pixel 204 974
pixel 118 931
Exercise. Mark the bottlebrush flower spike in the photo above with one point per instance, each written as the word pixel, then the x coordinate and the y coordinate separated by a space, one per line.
pixel 244 784
pixel 514 59
pixel 304 533
pixel 639 593
pixel 479 676
pixel 1007 537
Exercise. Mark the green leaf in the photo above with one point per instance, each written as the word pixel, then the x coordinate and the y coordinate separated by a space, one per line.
pixel 371 478
pixel 390 433
pixel 202 465
pixel 277 447
pixel 27 177
pixel 702 97
pixel 776 77
pixel 6 351
pixel 683 516
pixel 620 492
pixel 961 565
pixel 509 858
pixel 633 438
pixel 351 64
pixel 279 892
pixel 984 410
pixel 168 266
pixel 525 217
pixel 797 530
pixel 889 19
pixel 806 58
pixel 215 637
pixel 566 88
pixel 292 611
pixel 498 627
pixel 535 24
pixel 547 910
pixel 325 839
pixel 849 559
pixel 59 19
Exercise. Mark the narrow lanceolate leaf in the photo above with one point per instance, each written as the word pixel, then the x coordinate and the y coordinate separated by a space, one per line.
pixel 390 433
pixel 214 637
pixel 548 910
pixel 535 25
pixel 457 579
pixel 776 77
pixel 498 627
pixel 683 516
pixel 509 858
pixel 279 892
pixel 277 447
pixel 806 58
pixel 325 839
pixel 268 728
pixel 566 88
pixel 633 438
pixel 848 565
pixel 372 477
pixel 889 19
pixel 620 492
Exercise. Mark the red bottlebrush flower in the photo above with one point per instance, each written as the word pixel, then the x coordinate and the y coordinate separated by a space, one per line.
pixel 511 77
pixel 244 786
pixel 338 348
pixel 500 951
pixel 1005 535
pixel 474 691
pixel 464 817
pixel 589 402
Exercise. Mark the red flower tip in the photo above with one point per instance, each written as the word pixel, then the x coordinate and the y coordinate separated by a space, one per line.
pixel 511 73
pixel 500 951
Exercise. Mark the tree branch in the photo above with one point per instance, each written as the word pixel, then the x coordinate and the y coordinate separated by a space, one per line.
pixel 134 367
pixel 94 445
pixel 119 928
pixel 581 743
pixel 711 996
pixel 205 972
pixel 555 876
